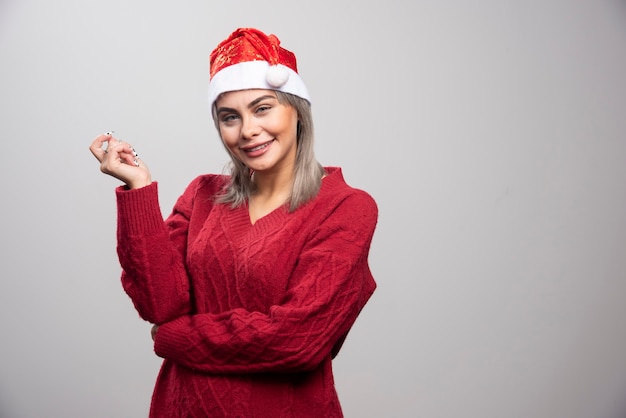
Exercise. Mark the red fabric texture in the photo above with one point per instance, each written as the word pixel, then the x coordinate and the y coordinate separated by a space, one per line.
pixel 250 315
pixel 249 44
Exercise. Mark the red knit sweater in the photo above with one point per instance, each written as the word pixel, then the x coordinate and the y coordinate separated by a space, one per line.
pixel 250 315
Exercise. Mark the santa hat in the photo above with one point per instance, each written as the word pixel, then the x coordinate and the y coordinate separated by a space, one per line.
pixel 250 59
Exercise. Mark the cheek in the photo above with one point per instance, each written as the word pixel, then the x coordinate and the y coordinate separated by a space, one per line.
pixel 228 139
pixel 232 147
pixel 284 126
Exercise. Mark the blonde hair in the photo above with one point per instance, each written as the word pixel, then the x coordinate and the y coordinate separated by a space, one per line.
pixel 308 172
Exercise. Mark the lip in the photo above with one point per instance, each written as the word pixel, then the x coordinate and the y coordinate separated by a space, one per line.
pixel 257 150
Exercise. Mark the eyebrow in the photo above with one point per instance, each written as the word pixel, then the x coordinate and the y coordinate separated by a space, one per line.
pixel 250 105
pixel 260 99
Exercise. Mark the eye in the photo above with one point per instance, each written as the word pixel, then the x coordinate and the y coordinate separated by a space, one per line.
pixel 229 118
pixel 263 108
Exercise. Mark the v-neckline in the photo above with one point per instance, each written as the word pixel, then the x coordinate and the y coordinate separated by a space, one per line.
pixel 240 223
pixel 268 216
pixel 242 227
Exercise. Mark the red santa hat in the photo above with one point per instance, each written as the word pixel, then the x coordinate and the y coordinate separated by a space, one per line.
pixel 250 59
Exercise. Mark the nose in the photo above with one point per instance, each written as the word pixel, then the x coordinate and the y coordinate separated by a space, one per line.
pixel 250 127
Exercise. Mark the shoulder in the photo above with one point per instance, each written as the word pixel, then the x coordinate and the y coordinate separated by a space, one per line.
pixel 334 185
pixel 339 197
pixel 340 213
pixel 207 185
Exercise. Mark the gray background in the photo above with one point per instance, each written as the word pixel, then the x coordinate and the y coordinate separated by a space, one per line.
pixel 490 132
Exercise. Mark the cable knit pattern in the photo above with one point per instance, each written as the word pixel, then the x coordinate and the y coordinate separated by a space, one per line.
pixel 250 315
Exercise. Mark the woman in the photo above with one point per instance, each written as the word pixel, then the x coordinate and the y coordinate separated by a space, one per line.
pixel 255 278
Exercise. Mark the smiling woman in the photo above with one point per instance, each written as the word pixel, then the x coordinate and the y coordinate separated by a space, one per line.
pixel 259 130
pixel 255 279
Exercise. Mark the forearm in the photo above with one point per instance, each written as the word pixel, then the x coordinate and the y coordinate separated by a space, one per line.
pixel 154 274
pixel 293 337
pixel 155 279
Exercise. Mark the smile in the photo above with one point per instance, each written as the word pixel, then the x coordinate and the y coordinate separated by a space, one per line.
pixel 258 148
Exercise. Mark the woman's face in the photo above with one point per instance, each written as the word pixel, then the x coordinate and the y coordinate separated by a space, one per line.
pixel 258 130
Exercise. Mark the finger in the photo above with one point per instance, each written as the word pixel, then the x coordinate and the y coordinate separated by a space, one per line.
pixel 97 146
pixel 129 158
pixel 123 151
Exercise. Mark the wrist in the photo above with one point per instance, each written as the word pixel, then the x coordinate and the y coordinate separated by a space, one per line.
pixel 138 183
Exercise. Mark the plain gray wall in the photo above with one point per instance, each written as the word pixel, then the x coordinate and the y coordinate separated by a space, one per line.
pixel 491 133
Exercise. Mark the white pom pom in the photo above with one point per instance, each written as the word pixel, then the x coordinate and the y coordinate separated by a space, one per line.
pixel 277 76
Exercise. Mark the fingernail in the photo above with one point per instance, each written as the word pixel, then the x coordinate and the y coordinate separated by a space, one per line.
pixel 136 162
pixel 110 133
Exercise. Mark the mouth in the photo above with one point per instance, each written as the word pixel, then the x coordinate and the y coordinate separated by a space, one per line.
pixel 258 147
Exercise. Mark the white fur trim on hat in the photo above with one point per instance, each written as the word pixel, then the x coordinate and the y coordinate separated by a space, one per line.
pixel 254 75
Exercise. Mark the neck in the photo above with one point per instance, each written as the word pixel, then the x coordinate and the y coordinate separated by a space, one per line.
pixel 273 185
pixel 272 191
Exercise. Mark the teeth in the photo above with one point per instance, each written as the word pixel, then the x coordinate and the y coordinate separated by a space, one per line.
pixel 258 148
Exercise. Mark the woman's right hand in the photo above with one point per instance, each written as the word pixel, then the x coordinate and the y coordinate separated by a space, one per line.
pixel 119 159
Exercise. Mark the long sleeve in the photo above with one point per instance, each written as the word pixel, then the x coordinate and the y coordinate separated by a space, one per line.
pixel 152 252
pixel 328 288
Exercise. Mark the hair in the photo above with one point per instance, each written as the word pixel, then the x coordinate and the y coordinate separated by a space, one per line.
pixel 308 172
